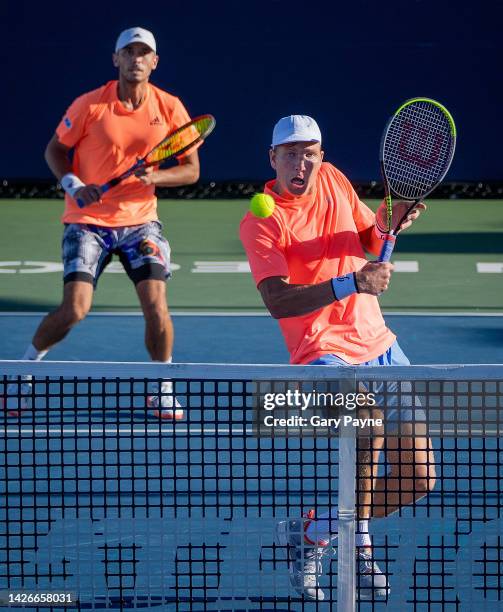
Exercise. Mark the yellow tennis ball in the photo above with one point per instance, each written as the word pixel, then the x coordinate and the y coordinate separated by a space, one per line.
pixel 262 205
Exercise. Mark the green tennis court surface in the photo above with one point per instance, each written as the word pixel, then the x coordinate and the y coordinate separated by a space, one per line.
pixel 452 259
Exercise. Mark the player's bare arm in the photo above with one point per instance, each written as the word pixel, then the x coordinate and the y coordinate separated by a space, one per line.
pixel 57 156
pixel 283 299
pixel 185 173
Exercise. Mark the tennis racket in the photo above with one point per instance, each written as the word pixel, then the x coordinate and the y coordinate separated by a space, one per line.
pixel 176 143
pixel 417 148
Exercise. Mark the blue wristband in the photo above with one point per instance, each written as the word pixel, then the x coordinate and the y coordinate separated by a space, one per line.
pixel 344 286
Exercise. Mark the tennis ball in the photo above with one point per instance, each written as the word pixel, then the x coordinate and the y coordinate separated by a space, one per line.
pixel 262 205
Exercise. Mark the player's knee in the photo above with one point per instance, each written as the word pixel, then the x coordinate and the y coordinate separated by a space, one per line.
pixel 72 314
pixel 424 480
pixel 156 313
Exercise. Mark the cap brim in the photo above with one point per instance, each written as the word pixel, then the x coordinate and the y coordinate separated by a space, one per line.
pixel 295 138
pixel 136 41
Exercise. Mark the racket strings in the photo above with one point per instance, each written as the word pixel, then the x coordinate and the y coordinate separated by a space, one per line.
pixel 418 149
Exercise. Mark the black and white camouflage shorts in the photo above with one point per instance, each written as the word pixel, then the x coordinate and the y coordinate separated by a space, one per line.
pixel 142 250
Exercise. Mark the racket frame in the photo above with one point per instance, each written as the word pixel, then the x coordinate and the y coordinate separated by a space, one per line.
pixel 389 241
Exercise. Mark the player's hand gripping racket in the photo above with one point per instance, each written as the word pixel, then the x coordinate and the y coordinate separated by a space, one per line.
pixel 417 148
pixel 176 143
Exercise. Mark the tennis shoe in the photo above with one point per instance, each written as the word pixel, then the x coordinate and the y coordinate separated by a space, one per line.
pixel 163 404
pixel 372 583
pixel 305 557
pixel 18 395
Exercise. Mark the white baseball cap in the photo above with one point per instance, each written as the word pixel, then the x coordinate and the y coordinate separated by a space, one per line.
pixel 295 128
pixel 133 35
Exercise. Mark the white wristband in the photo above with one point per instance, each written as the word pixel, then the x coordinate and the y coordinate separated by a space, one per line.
pixel 71 184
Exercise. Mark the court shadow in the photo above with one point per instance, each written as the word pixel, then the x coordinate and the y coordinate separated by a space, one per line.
pixel 462 243
pixel 24 305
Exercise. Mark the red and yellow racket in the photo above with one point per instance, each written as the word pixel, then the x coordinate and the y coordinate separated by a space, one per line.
pixel 176 143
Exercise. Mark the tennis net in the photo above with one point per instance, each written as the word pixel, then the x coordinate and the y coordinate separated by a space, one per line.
pixel 104 506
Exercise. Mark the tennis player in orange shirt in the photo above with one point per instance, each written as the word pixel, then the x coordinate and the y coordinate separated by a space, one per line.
pixel 309 264
pixel 107 130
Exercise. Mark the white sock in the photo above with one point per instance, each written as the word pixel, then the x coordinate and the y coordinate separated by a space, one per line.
pixel 323 528
pixel 362 534
pixel 32 354
pixel 167 385
pixel 164 385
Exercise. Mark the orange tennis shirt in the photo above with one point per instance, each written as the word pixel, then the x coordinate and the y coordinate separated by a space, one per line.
pixel 311 239
pixel 107 139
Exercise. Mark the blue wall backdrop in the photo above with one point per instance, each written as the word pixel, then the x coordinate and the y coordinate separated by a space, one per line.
pixel 348 64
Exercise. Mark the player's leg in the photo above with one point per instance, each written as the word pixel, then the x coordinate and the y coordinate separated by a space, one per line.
pixel 409 453
pixel 159 343
pixel 85 253
pixel 77 301
pixel 145 254
pixel 370 444
pixel 410 465
pixel 158 325
pixel 411 476
pixel 411 472
pixel 372 583
pixel 310 540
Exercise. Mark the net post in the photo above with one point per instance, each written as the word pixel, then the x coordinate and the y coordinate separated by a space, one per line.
pixel 346 549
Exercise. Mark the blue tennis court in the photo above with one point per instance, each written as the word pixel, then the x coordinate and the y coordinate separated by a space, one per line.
pixel 130 512
pixel 426 339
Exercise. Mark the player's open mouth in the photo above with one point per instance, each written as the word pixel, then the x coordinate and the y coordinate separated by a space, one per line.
pixel 299 182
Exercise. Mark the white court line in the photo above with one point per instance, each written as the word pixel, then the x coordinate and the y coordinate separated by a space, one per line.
pixel 245 313
pixel 406 266
pixel 490 267
pixel 122 430
pixel 43 431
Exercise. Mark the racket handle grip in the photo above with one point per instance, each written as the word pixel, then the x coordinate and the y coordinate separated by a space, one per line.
pixel 387 248
pixel 80 203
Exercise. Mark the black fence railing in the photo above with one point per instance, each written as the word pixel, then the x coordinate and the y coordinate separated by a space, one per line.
pixel 222 190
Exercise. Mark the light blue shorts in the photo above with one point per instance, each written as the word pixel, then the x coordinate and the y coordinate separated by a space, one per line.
pixel 396 396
